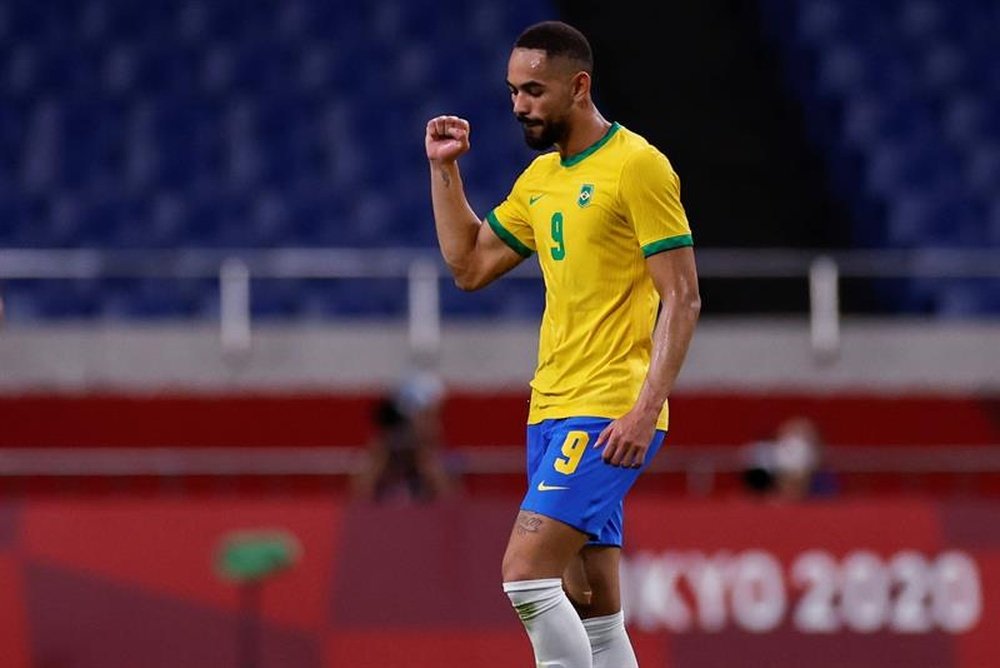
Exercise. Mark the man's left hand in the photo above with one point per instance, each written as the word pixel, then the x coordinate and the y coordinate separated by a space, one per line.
pixel 627 439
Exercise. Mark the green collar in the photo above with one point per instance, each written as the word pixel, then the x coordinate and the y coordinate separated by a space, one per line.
pixel 587 152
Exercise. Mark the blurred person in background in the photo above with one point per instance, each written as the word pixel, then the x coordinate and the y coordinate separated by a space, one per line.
pixel 603 212
pixel 403 463
pixel 789 466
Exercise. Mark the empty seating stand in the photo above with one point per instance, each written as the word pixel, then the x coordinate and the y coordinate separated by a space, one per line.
pixel 235 123
pixel 902 97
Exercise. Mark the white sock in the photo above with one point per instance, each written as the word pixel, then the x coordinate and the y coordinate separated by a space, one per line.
pixel 609 642
pixel 556 632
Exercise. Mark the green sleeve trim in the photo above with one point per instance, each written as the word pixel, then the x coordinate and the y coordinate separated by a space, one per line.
pixel 680 241
pixel 507 237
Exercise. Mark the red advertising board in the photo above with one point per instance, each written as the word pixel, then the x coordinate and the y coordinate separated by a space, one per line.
pixel 887 583
pixel 121 582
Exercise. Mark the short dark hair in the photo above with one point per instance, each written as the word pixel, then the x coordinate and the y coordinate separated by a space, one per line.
pixel 556 38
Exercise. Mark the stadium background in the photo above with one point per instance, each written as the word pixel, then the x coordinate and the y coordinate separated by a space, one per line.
pixel 217 255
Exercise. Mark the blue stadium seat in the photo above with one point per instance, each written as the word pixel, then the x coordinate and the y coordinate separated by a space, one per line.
pixel 271 299
pixel 922 20
pixel 982 170
pixel 68 299
pixel 967 118
pixel 945 67
pixel 371 298
pixel 151 298
pixel 967 298
pixel 993 224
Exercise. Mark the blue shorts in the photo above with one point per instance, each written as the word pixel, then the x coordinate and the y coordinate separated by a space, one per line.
pixel 569 481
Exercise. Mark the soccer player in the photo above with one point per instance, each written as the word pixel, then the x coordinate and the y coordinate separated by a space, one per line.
pixel 603 213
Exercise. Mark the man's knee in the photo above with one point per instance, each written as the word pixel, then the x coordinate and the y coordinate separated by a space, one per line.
pixel 524 561
pixel 516 567
pixel 521 562
pixel 539 548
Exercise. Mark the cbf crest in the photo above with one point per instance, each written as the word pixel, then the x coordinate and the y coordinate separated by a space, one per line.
pixel 586 194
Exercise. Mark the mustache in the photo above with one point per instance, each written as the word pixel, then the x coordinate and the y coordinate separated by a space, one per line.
pixel 529 122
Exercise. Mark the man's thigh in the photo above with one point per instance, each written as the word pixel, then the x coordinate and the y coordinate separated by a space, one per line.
pixel 570 481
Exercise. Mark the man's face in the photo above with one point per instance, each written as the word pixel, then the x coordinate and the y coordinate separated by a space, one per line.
pixel 541 93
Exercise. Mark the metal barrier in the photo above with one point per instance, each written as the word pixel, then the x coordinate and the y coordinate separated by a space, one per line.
pixel 423 269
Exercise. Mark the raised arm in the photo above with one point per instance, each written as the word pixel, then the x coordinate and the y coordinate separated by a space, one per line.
pixel 475 255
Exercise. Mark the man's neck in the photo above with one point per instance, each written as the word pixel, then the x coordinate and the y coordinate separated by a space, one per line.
pixel 584 133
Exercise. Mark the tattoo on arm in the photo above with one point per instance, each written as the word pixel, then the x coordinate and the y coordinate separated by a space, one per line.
pixel 528 524
pixel 446 177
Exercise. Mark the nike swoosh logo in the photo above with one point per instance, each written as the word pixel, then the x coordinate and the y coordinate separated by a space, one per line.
pixel 542 487
pixel 535 198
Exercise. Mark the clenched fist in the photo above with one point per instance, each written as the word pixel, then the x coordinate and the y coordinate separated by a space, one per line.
pixel 447 138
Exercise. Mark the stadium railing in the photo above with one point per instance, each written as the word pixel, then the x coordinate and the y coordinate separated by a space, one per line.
pixel 423 269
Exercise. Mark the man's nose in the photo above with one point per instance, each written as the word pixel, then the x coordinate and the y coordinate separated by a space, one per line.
pixel 520 104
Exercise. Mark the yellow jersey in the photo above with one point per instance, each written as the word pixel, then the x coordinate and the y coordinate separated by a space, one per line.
pixel 593 218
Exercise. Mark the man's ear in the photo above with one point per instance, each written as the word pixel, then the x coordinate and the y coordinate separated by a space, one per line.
pixel 581 85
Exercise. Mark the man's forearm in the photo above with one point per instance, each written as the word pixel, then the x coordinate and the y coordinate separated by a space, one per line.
pixel 671 339
pixel 456 223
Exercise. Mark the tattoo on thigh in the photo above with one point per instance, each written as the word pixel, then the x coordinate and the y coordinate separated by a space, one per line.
pixel 528 524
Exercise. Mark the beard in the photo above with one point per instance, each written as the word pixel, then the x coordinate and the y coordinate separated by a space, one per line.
pixel 542 135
